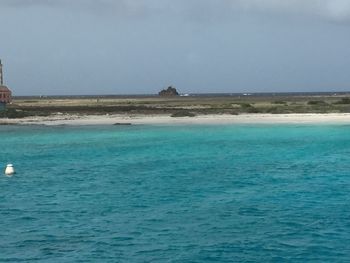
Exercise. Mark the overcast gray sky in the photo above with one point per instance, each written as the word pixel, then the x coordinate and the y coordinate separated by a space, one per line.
pixel 57 47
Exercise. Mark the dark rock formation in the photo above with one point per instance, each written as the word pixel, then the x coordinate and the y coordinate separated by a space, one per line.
pixel 170 91
pixel 183 113
pixel 122 123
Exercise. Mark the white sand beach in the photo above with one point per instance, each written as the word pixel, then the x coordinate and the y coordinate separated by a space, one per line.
pixel 331 118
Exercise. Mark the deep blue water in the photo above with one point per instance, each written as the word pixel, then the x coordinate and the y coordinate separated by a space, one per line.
pixel 253 193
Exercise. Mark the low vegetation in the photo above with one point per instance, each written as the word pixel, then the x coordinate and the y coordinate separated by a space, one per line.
pixel 279 102
pixel 248 108
pixel 15 114
pixel 316 102
pixel 343 101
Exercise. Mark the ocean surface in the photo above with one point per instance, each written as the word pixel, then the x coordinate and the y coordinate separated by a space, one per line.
pixel 229 193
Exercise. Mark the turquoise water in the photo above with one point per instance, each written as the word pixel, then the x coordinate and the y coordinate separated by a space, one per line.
pixel 176 194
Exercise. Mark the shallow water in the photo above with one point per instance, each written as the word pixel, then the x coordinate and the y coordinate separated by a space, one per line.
pixel 251 193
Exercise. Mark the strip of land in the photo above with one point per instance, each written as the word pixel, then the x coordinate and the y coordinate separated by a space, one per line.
pixel 109 110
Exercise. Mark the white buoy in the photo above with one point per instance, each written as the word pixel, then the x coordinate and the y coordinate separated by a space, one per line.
pixel 9 171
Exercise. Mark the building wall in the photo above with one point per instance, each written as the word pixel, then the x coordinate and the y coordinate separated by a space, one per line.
pixel 5 97
pixel 1 76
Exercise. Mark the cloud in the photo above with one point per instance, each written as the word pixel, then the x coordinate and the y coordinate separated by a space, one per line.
pixel 120 7
pixel 26 3
pixel 337 10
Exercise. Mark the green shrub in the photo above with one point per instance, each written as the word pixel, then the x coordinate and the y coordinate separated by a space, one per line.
pixel 275 110
pixel 279 102
pixel 343 101
pixel 316 102
pixel 245 105
pixel 252 110
pixel 248 108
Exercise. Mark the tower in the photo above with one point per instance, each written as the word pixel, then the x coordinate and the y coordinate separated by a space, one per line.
pixel 5 92
pixel 1 76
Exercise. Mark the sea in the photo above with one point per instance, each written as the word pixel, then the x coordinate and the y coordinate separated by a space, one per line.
pixel 201 193
pixel 197 95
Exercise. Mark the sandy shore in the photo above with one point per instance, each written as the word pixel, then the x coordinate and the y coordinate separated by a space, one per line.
pixel 332 118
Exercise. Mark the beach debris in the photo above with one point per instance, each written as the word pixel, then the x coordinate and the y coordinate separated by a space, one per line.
pixel 10 170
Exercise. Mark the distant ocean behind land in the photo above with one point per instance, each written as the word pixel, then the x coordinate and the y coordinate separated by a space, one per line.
pixel 254 94
pixel 225 193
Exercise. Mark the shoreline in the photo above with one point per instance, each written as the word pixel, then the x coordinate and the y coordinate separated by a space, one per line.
pixel 76 120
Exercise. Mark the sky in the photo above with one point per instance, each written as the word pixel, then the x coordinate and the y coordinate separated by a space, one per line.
pixel 91 47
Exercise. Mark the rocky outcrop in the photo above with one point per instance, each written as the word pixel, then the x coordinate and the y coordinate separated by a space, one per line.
pixel 122 124
pixel 170 91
